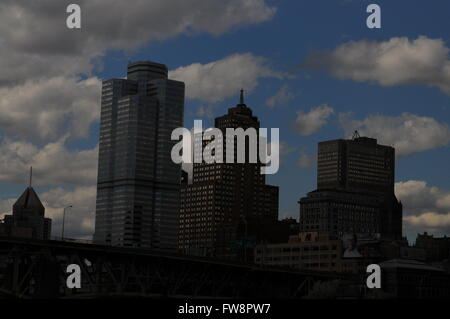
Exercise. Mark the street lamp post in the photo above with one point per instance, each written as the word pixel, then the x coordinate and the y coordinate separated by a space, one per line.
pixel 63 221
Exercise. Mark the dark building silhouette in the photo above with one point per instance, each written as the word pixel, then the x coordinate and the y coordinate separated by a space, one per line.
pixel 359 164
pixel 402 278
pixel 28 218
pixel 437 248
pixel 355 190
pixel 138 183
pixel 228 206
pixel 184 177
pixel 286 227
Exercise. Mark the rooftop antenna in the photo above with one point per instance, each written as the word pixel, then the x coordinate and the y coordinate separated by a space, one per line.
pixel 355 135
pixel 242 97
pixel 31 175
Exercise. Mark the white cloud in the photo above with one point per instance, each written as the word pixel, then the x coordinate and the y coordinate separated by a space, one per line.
pixel 6 206
pixel 311 122
pixel 48 108
pixel 53 163
pixel 408 133
pixel 307 160
pixel 425 208
pixel 35 41
pixel 430 220
pixel 215 81
pixel 396 61
pixel 282 97
pixel 206 111
pixel 418 195
pixel 42 96
pixel 80 219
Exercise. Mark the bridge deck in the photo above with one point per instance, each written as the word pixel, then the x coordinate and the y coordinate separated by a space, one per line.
pixel 38 269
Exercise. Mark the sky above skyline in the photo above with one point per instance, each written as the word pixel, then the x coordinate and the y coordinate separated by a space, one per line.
pixel 311 68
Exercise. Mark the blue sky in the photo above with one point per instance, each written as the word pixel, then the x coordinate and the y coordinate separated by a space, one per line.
pixel 284 39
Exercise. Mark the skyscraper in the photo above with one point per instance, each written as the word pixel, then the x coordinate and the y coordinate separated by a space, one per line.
pixel 138 183
pixel 228 206
pixel 355 190
pixel 359 164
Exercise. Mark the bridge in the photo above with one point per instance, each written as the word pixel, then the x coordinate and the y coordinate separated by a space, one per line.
pixel 37 269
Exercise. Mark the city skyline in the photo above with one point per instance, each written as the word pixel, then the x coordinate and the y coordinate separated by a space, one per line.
pixel 50 114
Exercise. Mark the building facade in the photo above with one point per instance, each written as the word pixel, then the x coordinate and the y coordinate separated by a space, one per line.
pixel 355 190
pixel 310 251
pixel 228 208
pixel 437 248
pixel 28 218
pixel 138 184
pixel 359 164
pixel 410 279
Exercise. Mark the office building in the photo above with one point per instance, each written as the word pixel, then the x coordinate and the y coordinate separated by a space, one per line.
pixel 228 208
pixel 437 248
pixel 138 183
pixel 28 218
pixel 355 190
pixel 310 250
pixel 359 164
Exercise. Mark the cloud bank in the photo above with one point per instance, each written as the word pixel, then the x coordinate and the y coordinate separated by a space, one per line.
pixel 397 61
pixel 311 122
pixel 408 133
pixel 215 81
pixel 425 208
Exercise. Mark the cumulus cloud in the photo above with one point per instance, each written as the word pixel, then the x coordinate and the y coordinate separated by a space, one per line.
pixel 53 163
pixel 431 221
pixel 215 81
pixel 396 61
pixel 41 58
pixel 425 208
pixel 282 97
pixel 45 109
pixel 46 85
pixel 306 160
pixel 35 41
pixel 408 133
pixel 206 110
pixel 6 206
pixel 311 122
pixel 80 219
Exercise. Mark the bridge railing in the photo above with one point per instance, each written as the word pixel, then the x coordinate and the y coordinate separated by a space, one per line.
pixel 73 240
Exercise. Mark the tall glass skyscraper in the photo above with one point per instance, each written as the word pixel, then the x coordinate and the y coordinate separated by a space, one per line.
pixel 138 184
